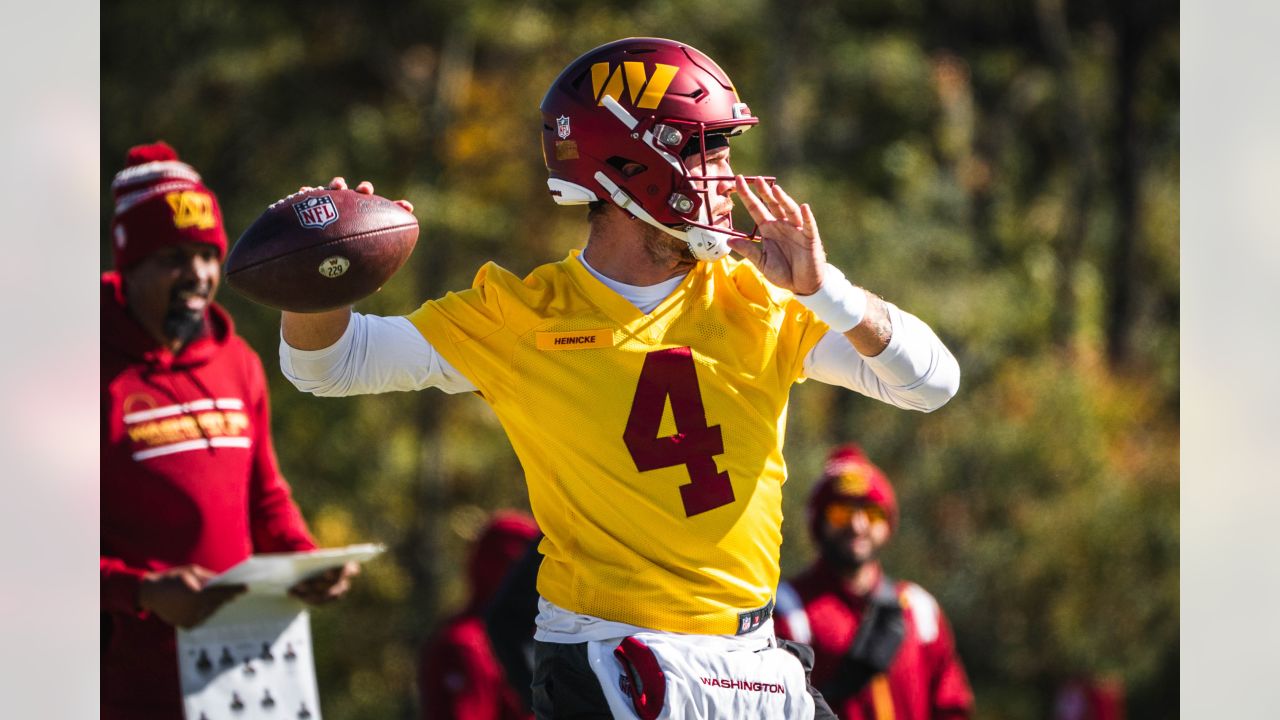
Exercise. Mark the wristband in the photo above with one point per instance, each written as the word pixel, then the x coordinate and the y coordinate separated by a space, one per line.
pixel 838 303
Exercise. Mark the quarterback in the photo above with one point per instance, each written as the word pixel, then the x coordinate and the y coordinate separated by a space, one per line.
pixel 643 382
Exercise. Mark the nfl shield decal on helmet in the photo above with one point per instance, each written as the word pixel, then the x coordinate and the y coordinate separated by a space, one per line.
pixel 316 212
pixel 562 127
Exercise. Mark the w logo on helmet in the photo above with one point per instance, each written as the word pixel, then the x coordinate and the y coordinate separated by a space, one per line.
pixel 646 90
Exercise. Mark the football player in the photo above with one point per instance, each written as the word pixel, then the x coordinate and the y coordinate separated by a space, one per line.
pixel 643 382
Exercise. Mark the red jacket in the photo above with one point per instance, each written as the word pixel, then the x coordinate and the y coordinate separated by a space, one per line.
pixel 188 476
pixel 926 680
pixel 460 677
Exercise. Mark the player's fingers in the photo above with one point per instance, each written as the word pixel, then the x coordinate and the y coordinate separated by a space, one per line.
pixel 365 187
pixel 808 223
pixel 759 213
pixel 771 201
pixel 338 183
pixel 790 208
pixel 749 249
pixel 405 204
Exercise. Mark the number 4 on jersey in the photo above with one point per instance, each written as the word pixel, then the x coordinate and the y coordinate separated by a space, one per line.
pixel 671 374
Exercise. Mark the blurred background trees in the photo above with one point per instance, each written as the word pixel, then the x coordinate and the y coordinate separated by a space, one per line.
pixel 1006 170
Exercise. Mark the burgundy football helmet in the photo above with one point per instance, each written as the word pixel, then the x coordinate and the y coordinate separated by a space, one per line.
pixel 617 122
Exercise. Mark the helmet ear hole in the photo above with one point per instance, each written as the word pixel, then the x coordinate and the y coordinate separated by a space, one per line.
pixel 628 168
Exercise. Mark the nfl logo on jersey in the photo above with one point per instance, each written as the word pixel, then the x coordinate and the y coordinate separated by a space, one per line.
pixel 316 212
pixel 562 127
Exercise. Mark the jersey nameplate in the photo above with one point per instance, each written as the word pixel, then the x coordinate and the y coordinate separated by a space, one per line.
pixel 577 340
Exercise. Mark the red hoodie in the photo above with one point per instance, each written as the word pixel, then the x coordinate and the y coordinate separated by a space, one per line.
pixel 188 476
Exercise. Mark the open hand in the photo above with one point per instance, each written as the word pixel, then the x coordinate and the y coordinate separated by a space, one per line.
pixel 789 253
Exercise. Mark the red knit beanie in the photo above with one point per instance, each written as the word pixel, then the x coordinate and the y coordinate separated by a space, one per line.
pixel 849 475
pixel 160 201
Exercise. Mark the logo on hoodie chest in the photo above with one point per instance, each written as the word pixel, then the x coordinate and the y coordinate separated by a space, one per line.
pixel 155 430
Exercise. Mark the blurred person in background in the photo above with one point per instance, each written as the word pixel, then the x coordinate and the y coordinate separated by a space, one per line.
pixel 190 485
pixel 511 620
pixel 459 676
pixel 883 648
pixel 1090 698
pixel 663 528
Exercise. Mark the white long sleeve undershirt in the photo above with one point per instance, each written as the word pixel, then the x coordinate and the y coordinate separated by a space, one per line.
pixel 382 354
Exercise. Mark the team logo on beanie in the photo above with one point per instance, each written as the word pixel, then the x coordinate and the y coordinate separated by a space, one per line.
pixel 853 482
pixel 161 201
pixel 191 209
pixel 316 212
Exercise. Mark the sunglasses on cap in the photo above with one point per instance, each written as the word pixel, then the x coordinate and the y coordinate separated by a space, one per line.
pixel 839 514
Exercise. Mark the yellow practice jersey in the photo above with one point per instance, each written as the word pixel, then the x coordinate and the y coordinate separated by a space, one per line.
pixel 652 444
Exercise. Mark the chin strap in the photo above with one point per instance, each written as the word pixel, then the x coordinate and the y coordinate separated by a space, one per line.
pixel 708 245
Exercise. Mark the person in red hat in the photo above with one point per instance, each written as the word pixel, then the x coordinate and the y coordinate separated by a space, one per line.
pixel 190 485
pixel 883 648
pixel 460 677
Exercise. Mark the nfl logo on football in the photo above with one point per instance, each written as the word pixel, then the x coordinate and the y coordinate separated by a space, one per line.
pixel 316 212
pixel 562 127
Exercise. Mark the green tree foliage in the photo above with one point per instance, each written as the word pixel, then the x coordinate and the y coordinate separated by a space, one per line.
pixel 1007 171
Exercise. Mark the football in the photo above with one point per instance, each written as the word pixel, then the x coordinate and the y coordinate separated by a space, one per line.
pixel 321 249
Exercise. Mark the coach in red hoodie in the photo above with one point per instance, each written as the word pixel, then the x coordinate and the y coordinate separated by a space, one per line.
pixel 190 485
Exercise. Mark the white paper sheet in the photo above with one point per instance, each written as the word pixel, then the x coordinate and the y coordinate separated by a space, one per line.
pixel 253 659
pixel 275 573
